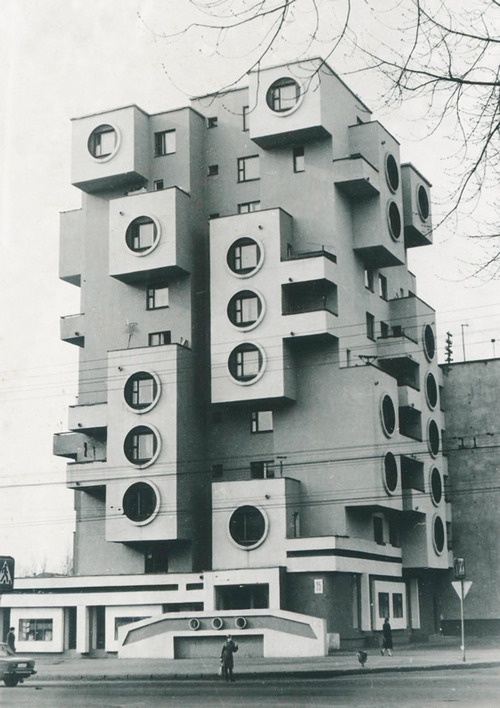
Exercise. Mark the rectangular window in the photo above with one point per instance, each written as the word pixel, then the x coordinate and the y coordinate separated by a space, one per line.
pixel 369 279
pixel 143 392
pixel 245 114
pixel 263 469
pixel 394 534
pixel 299 164
pixel 248 168
pixel 383 604
pixel 378 530
pixel 296 524
pixel 35 630
pixel 217 471
pixel 397 605
pixel 164 143
pixel 158 185
pixel 382 286
pixel 122 621
pixel 213 170
pixel 247 207
pixel 142 236
pixel 261 421
pixel 142 447
pixel 246 310
pixel 370 326
pixel 246 257
pixel 156 339
pixel 247 364
pixel 156 298
pixel 384 330
pixel 212 122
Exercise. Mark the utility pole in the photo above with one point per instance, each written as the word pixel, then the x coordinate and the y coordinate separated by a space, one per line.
pixel 463 340
pixel 448 348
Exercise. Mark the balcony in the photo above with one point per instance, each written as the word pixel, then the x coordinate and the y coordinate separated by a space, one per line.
pixel 414 500
pixel 88 417
pixel 310 308
pixel 303 266
pixel 79 447
pixel 409 397
pixel 71 246
pixel 72 329
pixel 356 177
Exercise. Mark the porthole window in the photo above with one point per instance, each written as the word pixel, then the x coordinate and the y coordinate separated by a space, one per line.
pixel 248 527
pixel 390 473
pixel 244 256
pixel 283 95
pixel 431 390
pixel 244 309
pixel 433 438
pixel 142 235
pixel 103 142
pixel 394 220
pixel 391 172
pixel 429 342
pixel 436 486
pixel 438 536
pixel 141 391
pixel 140 502
pixel 388 415
pixel 246 363
pixel 423 202
pixel 142 445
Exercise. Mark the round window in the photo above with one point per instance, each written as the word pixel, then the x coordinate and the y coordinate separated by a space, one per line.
pixel 431 390
pixel 246 363
pixel 248 527
pixel 142 234
pixel 244 308
pixel 438 534
pixel 391 172
pixel 433 439
pixel 388 414
pixel 390 473
pixel 423 202
pixel 142 445
pixel 429 342
pixel 244 256
pixel 394 220
pixel 140 502
pixel 436 485
pixel 141 391
pixel 103 142
pixel 283 95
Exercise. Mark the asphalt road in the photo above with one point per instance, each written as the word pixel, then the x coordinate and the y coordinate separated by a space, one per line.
pixel 468 687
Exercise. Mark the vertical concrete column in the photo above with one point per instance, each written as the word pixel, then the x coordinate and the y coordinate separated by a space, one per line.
pixel 366 614
pixel 82 629
pixel 414 603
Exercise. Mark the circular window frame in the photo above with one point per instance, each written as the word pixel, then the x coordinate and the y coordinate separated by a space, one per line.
pixel 387 488
pixel 156 511
pixel 396 239
pixel 258 376
pixel 428 377
pixel 428 327
pixel 248 327
pixel 288 111
pixel 140 411
pixel 435 501
pixel 393 188
pixel 255 270
pixel 435 519
pixel 118 141
pixel 387 432
pixel 146 252
pixel 153 459
pixel 262 538
pixel 433 453
pixel 421 214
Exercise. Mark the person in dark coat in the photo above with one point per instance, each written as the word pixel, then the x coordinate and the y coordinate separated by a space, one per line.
pixel 387 638
pixel 11 639
pixel 226 658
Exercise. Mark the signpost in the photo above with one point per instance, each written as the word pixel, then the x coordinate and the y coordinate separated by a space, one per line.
pixel 461 587
pixel 6 574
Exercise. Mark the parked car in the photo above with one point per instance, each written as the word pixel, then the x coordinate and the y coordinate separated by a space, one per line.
pixel 13 667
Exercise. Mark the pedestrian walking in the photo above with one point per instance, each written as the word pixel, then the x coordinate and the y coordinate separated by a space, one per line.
pixel 386 638
pixel 226 658
pixel 11 639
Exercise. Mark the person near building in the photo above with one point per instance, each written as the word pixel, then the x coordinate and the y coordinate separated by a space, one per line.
pixel 386 638
pixel 11 639
pixel 226 658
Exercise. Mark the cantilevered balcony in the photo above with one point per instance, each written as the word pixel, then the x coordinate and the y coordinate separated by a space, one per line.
pixel 310 308
pixel 73 329
pixel 356 177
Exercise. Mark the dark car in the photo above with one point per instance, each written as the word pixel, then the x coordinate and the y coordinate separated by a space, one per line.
pixel 14 668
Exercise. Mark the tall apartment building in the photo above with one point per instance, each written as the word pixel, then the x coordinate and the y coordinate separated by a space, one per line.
pixel 257 439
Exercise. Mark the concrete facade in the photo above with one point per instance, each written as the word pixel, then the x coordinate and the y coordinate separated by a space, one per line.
pixel 258 402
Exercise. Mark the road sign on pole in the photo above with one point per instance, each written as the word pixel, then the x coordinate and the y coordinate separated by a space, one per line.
pixel 462 587
pixel 6 574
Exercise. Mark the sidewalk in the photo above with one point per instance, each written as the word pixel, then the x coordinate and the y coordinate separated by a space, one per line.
pixel 405 658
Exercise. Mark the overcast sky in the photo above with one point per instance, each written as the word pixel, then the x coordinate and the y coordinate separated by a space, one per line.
pixel 65 58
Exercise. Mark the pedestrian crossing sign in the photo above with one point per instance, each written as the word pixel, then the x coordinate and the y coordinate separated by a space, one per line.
pixel 6 574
